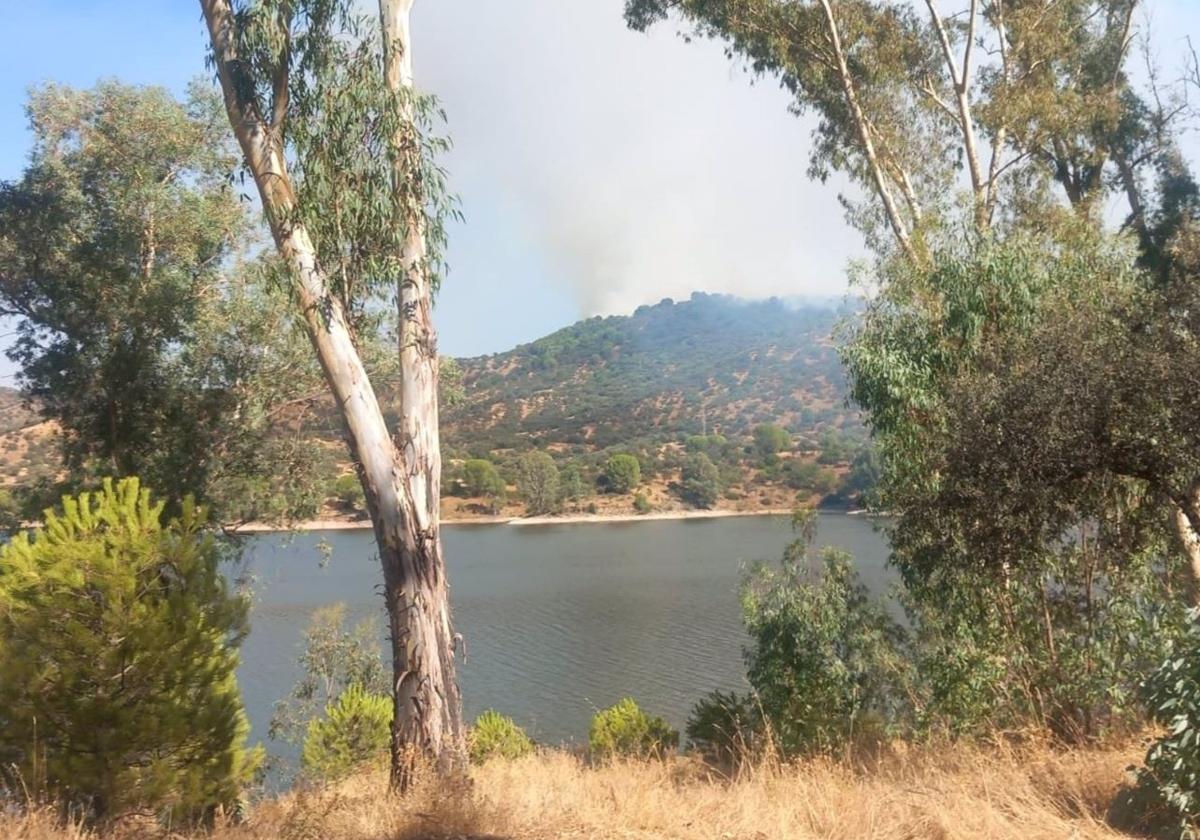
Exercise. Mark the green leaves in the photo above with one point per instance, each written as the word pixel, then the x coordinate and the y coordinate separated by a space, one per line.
pixel 825 661
pixel 355 729
pixel 117 657
pixel 340 127
pixel 1172 693
pixel 623 729
pixel 494 735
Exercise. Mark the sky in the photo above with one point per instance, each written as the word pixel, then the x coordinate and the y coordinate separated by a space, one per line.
pixel 597 168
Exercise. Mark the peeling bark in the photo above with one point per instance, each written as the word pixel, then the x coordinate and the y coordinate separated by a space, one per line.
pixel 1187 526
pixel 400 477
pixel 428 705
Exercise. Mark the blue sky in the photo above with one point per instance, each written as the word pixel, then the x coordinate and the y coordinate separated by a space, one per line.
pixel 598 169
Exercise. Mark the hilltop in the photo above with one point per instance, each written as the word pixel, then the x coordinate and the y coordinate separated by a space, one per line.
pixel 711 364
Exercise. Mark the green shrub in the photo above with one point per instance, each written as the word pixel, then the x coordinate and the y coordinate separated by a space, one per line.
pixel 356 728
pixel 622 473
pixel 624 729
pixel 1172 693
pixel 641 504
pixel 118 651
pixel 725 728
pixel 349 492
pixel 825 659
pixel 537 482
pixel 700 481
pixel 497 736
pixel 480 479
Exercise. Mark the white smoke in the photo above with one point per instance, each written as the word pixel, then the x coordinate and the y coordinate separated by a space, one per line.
pixel 642 166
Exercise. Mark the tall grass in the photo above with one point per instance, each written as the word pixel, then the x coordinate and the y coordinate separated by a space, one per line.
pixel 1029 791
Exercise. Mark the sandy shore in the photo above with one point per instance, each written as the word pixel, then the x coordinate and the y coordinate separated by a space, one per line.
pixel 558 519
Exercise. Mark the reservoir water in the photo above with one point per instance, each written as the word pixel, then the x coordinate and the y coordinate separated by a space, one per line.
pixel 559 620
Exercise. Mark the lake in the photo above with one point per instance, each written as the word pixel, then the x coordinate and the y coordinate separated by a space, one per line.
pixel 559 620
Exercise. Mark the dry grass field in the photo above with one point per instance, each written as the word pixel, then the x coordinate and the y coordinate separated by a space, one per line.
pixel 962 792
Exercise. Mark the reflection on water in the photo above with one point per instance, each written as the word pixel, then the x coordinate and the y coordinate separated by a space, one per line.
pixel 559 620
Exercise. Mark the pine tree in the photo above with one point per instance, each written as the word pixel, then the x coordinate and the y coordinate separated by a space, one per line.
pixel 118 650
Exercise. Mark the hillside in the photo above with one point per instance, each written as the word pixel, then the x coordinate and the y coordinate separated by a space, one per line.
pixel 664 384
pixel 709 364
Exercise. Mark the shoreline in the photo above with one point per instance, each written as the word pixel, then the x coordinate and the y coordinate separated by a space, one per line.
pixel 523 521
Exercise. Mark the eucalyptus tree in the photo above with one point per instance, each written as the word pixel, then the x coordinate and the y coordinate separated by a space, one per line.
pixel 1025 103
pixel 335 137
pixel 141 328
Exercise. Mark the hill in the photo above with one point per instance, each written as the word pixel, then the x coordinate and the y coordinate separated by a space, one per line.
pixel 711 364
pixel 668 383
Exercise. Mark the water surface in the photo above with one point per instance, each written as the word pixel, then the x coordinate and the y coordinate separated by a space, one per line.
pixel 559 620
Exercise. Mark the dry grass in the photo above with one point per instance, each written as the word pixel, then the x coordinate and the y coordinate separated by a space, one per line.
pixel 956 792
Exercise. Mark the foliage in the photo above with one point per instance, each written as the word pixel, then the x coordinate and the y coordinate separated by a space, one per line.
pixel 699 481
pixel 141 332
pixel 906 102
pixel 1038 465
pixel 826 662
pixel 356 728
pixel 349 492
pixel 497 736
pixel 338 120
pixel 808 476
pixel 1172 693
pixel 622 473
pixel 770 440
pixel 118 652
pixel 571 484
pixel 537 482
pixel 657 374
pixel 725 728
pixel 334 659
pixel 480 479
pixel 641 504
pixel 623 729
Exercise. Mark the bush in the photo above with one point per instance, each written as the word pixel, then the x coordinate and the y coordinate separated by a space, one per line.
pixel 725 728
pixel 537 481
pixel 1172 770
pixel 622 473
pixel 356 729
pixel 641 504
pixel 118 651
pixel 700 481
pixel 479 479
pixel 825 660
pixel 349 492
pixel 334 659
pixel 770 440
pixel 497 736
pixel 624 729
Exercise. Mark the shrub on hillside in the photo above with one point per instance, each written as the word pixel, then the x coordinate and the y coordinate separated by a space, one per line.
pixel 497 736
pixel 622 473
pixel 700 481
pixel 725 728
pixel 349 492
pixel 118 652
pixel 624 729
pixel 537 482
pixel 479 478
pixel 641 504
pixel 356 728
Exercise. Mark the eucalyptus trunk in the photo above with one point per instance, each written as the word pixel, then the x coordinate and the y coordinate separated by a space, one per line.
pixel 1187 525
pixel 428 706
pixel 400 476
